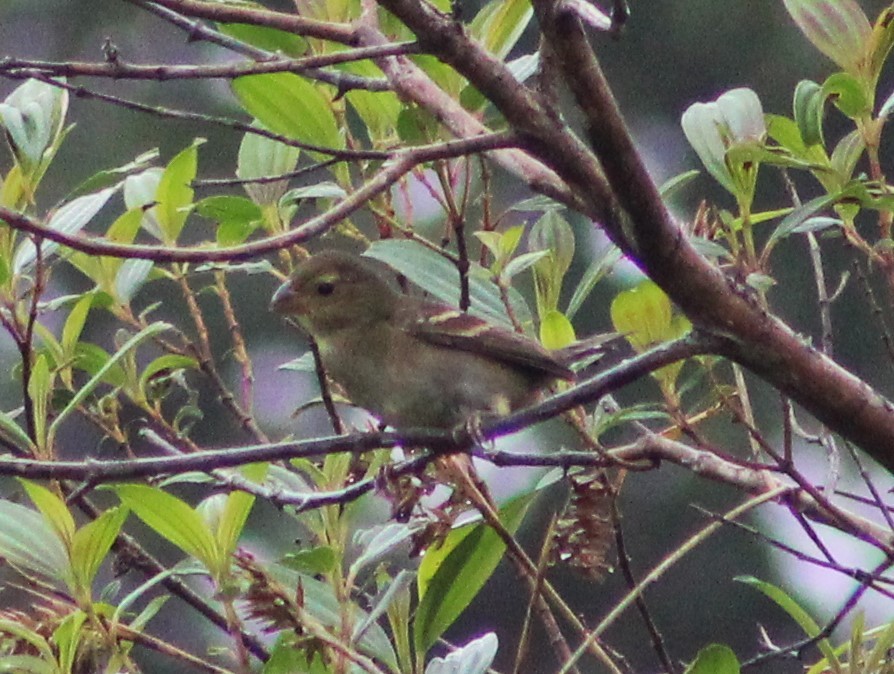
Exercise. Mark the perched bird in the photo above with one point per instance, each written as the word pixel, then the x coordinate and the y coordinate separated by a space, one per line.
pixel 411 363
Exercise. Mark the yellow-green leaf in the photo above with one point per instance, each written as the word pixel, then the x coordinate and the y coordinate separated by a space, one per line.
pixel 91 544
pixel 643 315
pixel 291 106
pixel 175 192
pixel 174 520
pixel 556 331
pixel 53 509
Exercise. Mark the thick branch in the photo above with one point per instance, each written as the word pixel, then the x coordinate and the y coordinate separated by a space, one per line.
pixel 760 341
pixel 634 216
pixel 291 23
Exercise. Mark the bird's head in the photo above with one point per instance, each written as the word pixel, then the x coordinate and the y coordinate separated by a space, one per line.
pixel 333 290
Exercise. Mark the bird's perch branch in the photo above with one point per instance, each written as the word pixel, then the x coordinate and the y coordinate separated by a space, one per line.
pixel 617 192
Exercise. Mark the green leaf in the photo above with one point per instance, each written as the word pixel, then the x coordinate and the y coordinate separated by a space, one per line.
pixel 112 177
pixel 451 575
pixel 131 276
pixel 846 155
pixel 227 207
pixel 797 217
pixel 232 521
pixel 166 363
pixel 235 232
pixel 715 659
pixel 325 190
pixel 520 263
pixel 70 218
pixel 140 190
pixel 91 358
pixel 538 204
pixel 174 520
pixel 671 186
pixel 880 42
pixel 553 234
pixel 286 657
pixel 175 193
pixel 320 559
pixel 15 434
pixel 34 116
pixel 786 133
pixel 91 545
pixel 838 28
pixel 39 387
pixel 146 333
pixel 320 601
pixel 102 269
pixel 27 541
pixel 417 126
pixel 808 111
pixel 27 636
pixel 437 275
pixel 53 509
pixel 556 331
pixel 27 664
pixel 262 157
pixel 500 24
pixel 848 94
pixel 67 637
pixel 74 324
pixel 601 265
pixel 883 644
pixel 798 614
pixel 377 542
pixel 125 604
pixel 643 315
pixel 269 39
pixel 379 110
pixel 291 106
pixel 502 246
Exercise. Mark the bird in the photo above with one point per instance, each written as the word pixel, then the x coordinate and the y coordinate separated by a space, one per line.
pixel 411 362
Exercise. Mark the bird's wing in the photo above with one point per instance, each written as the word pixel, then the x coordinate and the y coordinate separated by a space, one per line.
pixel 444 326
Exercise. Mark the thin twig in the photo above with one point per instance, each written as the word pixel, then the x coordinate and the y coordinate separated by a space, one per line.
pixel 655 636
pixel 402 162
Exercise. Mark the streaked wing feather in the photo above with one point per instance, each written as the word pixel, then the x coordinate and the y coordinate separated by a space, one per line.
pixel 444 326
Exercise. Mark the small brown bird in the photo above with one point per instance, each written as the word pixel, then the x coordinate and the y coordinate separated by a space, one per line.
pixel 409 362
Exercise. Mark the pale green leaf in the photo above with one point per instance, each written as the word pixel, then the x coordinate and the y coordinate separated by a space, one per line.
pixel 27 541
pixel 69 218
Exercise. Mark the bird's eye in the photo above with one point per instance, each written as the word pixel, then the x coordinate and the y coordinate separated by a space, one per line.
pixel 325 288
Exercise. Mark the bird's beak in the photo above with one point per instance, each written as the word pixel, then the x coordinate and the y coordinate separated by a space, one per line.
pixel 283 301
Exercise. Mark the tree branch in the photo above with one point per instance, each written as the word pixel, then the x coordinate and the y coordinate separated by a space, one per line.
pixel 627 204
pixel 402 162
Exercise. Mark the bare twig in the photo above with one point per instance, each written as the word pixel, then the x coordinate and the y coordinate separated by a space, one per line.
pixel 402 162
